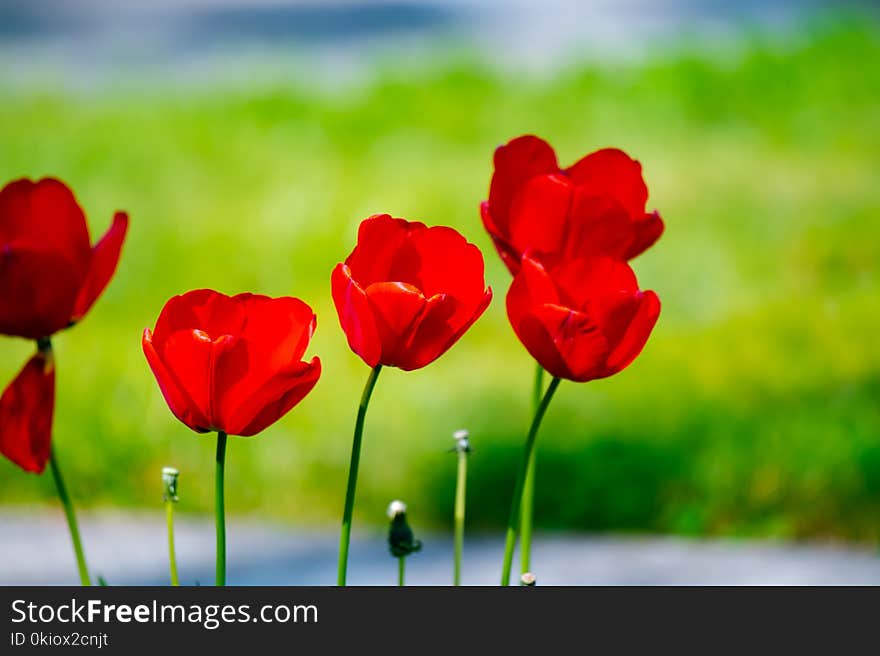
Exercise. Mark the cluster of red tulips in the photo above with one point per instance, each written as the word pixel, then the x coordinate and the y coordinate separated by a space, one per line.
pixel 234 365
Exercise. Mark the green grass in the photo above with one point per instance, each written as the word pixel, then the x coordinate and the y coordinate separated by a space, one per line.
pixel 755 408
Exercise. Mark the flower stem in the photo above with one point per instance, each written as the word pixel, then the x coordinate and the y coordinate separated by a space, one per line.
pixel 172 559
pixel 220 510
pixel 515 503
pixel 345 534
pixel 401 570
pixel 71 519
pixel 460 490
pixel 528 502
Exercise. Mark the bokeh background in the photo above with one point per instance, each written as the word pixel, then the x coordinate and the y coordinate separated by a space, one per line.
pixel 247 141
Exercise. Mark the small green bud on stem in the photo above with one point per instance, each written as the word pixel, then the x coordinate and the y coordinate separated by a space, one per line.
pixel 169 483
pixel 462 443
pixel 401 541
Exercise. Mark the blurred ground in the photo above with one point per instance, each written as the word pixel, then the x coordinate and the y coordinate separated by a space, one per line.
pixel 754 409
pixel 130 549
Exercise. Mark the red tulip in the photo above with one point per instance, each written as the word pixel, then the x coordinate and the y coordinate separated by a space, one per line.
pixel 584 319
pixel 50 274
pixel 26 409
pixel 407 292
pixel 595 207
pixel 232 364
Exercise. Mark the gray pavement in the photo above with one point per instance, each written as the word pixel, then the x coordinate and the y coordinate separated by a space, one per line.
pixel 130 548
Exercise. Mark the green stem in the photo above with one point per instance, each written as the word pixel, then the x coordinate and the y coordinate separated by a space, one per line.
pixel 71 519
pixel 460 491
pixel 345 534
pixel 220 510
pixel 528 502
pixel 515 503
pixel 401 570
pixel 172 558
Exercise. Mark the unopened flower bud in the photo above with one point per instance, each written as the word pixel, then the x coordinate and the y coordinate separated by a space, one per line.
pixel 401 540
pixel 528 580
pixel 462 443
pixel 169 483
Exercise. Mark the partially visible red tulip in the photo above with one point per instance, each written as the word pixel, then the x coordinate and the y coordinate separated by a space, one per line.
pixel 408 292
pixel 594 207
pixel 232 364
pixel 26 409
pixel 584 319
pixel 50 274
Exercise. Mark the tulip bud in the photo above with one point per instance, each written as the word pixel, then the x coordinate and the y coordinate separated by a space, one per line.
pixel 528 580
pixel 401 540
pixel 169 482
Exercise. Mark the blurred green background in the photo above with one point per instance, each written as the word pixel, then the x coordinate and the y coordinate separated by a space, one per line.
pixel 754 409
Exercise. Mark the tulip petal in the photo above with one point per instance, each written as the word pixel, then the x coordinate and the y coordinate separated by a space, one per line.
pixel 26 410
pixel 445 263
pixel 178 314
pixel 38 288
pixel 432 336
pixel 396 309
pixel 443 323
pixel 200 309
pixel 46 212
pixel 538 340
pixel 282 326
pixel 613 172
pixel 380 241
pixel 190 358
pixel 509 255
pixel 636 335
pixel 515 164
pixel 178 399
pixel 531 287
pixel 274 337
pixel 539 212
pixel 355 316
pixel 597 225
pixel 105 257
pixel 275 398
pixel 594 284
pixel 647 232
pixel 577 340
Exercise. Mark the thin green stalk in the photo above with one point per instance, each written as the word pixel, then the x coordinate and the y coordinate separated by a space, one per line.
pixel 172 558
pixel 516 502
pixel 401 570
pixel 71 519
pixel 220 509
pixel 345 533
pixel 460 491
pixel 528 502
